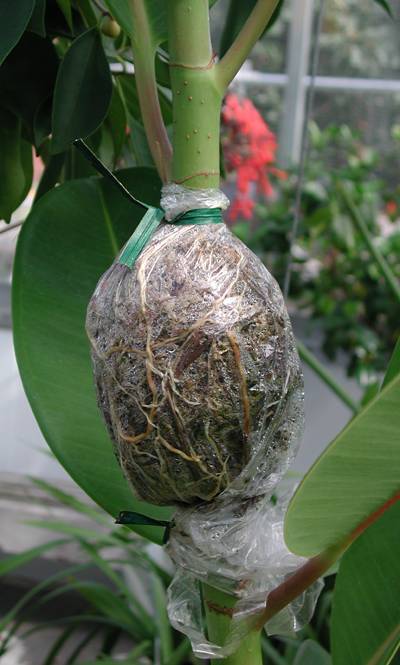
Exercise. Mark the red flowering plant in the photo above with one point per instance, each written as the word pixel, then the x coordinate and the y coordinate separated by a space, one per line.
pixel 249 148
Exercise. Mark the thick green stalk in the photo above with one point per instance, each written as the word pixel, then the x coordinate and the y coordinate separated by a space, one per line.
pixel 218 622
pixel 196 99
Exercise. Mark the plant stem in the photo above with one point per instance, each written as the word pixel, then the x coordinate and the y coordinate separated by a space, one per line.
pixel 218 622
pixel 233 59
pixel 359 223
pixel 196 99
pixel 327 377
pixel 315 567
pixel 144 58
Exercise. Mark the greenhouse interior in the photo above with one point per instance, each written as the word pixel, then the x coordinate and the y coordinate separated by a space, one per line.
pixel 199 325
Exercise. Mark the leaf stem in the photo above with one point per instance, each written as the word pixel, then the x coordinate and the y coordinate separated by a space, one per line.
pixel 327 377
pixel 235 56
pixel 360 224
pixel 143 50
pixel 315 567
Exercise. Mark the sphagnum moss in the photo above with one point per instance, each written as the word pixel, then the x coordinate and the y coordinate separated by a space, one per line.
pixel 195 364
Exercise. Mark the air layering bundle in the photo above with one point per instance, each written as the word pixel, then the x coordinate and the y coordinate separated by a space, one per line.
pixel 195 364
pixel 199 382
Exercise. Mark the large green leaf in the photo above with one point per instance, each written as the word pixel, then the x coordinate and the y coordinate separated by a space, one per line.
pixel 116 120
pixel 366 603
pixel 69 239
pixel 13 21
pixel 37 22
pixel 83 91
pixel 65 7
pixel 353 478
pixel 27 77
pixel 16 169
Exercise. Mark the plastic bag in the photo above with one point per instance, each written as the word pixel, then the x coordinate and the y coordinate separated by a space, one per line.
pixel 200 385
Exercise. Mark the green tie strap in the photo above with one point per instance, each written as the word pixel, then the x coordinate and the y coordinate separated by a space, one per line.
pixel 152 220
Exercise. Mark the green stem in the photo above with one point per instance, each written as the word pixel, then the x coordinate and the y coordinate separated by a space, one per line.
pixel 196 99
pixel 327 377
pixel 252 30
pixel 217 606
pixel 144 58
pixel 359 223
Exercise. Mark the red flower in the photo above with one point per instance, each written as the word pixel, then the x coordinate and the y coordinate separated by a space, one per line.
pixel 249 150
pixel 391 208
pixel 241 208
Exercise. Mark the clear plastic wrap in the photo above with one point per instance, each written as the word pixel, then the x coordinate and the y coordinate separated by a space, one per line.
pixel 177 199
pixel 246 557
pixel 200 385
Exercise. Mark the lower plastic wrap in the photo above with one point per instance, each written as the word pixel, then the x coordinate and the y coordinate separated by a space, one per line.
pixel 241 553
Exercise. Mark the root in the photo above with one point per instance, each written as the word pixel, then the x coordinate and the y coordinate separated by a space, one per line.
pixel 242 382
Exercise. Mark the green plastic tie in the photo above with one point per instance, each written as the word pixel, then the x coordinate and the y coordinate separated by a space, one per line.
pixel 199 216
pixel 152 220
pixel 141 236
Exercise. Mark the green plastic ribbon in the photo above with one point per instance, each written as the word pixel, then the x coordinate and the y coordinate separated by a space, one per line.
pixel 152 220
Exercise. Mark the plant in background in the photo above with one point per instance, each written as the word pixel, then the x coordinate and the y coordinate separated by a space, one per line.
pixel 71 236
pixel 249 149
pixel 335 282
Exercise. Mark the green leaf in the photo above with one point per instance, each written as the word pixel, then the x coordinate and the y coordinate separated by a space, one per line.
pixel 311 653
pixel 366 608
pixel 156 14
pixel 393 369
pixel 78 648
pixel 51 175
pixel 69 239
pixel 238 13
pixel 16 169
pixel 13 21
pixel 143 619
pixel 65 7
pixel 58 645
pixel 11 563
pixel 162 621
pixel 356 475
pixel 77 532
pixel 83 91
pixel 42 122
pixel 106 602
pixel 37 22
pixel 138 651
pixel 385 5
pixel 181 654
pixel 72 502
pixel 25 600
pixel 116 119
pixel 33 61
